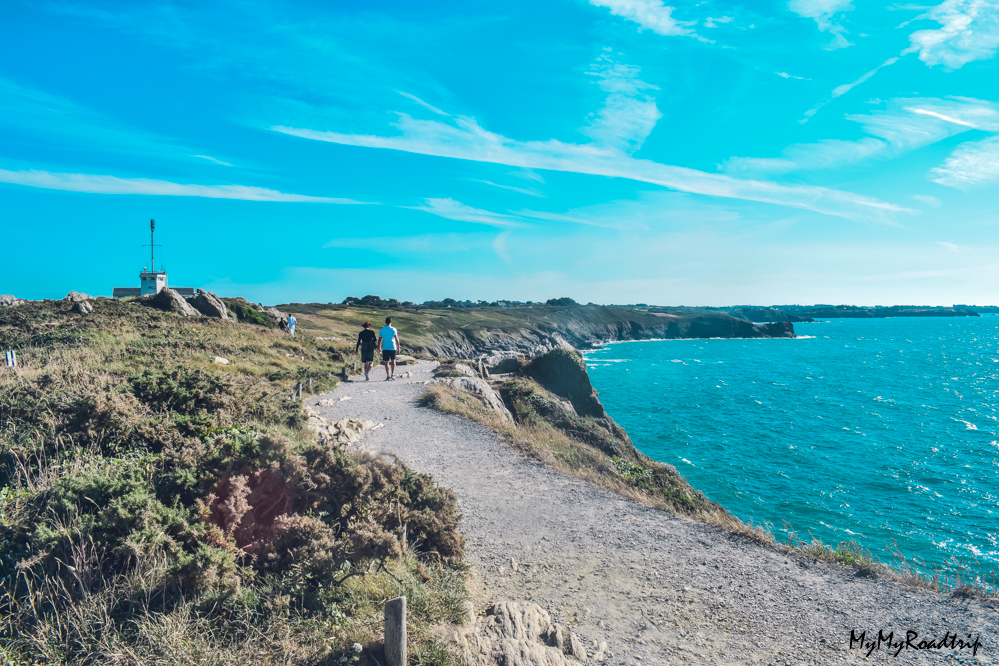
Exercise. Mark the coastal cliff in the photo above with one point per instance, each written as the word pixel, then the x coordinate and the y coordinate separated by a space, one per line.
pixel 475 332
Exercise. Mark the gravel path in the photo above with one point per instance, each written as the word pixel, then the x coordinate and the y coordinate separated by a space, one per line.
pixel 658 588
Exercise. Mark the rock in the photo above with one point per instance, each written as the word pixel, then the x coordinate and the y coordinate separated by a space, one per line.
pixel 8 301
pixel 76 297
pixel 601 650
pixel 511 634
pixel 273 310
pixel 576 648
pixel 501 364
pixel 481 390
pixel 465 370
pixel 83 307
pixel 209 305
pixel 343 432
pixel 170 301
pixel 220 360
pixel 563 372
pixel 402 359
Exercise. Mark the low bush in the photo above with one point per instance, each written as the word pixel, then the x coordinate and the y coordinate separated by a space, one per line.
pixel 156 507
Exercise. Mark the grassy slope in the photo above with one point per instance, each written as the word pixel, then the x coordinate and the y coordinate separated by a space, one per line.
pixel 118 429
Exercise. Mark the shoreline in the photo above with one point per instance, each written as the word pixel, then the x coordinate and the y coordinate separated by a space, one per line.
pixel 915 556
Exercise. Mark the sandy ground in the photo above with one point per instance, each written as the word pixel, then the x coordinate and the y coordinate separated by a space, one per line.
pixel 657 588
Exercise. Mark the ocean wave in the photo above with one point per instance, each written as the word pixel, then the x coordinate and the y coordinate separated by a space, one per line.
pixel 971 426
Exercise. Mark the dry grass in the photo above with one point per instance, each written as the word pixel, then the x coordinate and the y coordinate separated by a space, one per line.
pixel 115 434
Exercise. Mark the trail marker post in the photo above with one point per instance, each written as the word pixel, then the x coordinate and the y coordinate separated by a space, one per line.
pixel 11 358
pixel 395 632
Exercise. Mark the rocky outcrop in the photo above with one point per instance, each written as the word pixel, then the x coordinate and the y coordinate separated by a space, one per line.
pixel 8 301
pixel 76 297
pixel 534 331
pixel 517 634
pixel 481 390
pixel 83 307
pixel 170 301
pixel 340 433
pixel 563 372
pixel 501 363
pixel 209 305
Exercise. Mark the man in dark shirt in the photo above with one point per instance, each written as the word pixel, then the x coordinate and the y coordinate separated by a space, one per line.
pixel 366 340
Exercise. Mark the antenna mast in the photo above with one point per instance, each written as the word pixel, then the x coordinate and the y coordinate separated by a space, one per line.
pixel 152 247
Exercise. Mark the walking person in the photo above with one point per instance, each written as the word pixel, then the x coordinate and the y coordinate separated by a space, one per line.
pixel 291 324
pixel 366 342
pixel 388 341
pixel 283 325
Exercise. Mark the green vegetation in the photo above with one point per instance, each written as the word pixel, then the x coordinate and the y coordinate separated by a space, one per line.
pixel 159 506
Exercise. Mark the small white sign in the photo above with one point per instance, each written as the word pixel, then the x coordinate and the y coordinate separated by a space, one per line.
pixel 11 359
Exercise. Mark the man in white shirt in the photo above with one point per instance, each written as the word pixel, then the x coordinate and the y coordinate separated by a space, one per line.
pixel 291 324
pixel 388 342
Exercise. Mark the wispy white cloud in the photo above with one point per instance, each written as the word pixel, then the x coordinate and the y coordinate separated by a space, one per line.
pixel 927 199
pixel 628 114
pixel 906 125
pixel 972 164
pixel 949 246
pixel 100 184
pixel 785 75
pixel 823 12
pixel 423 104
pixel 527 174
pixel 455 210
pixel 212 159
pixel 649 15
pixel 512 188
pixel 40 118
pixel 712 21
pixel 435 243
pixel 845 88
pixel 499 247
pixel 969 30
pixel 461 137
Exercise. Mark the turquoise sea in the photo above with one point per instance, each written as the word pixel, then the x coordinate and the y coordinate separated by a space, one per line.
pixel 877 430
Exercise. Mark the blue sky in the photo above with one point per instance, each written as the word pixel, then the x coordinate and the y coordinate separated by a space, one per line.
pixel 614 151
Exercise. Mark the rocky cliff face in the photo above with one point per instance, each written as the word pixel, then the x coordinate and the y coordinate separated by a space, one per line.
pixel 586 327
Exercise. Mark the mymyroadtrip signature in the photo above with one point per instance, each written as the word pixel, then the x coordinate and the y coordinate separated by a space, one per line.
pixel 949 641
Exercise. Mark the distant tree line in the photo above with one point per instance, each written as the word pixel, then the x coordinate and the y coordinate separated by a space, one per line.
pixel 379 302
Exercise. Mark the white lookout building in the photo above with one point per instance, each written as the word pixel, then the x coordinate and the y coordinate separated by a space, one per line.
pixel 150 281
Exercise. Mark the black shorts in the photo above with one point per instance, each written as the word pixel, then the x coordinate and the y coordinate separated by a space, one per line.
pixel 367 356
pixel 388 355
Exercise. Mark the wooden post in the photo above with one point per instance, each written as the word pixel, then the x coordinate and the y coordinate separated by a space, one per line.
pixel 298 391
pixel 395 632
pixel 310 384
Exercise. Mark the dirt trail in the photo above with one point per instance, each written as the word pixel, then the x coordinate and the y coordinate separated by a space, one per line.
pixel 658 588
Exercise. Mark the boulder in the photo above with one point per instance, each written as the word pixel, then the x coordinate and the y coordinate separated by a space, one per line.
pixel 563 372
pixel 8 301
pixel 209 305
pixel 219 360
pixel 170 301
pixel 481 390
pixel 501 364
pixel 341 433
pixel 76 297
pixel 83 307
